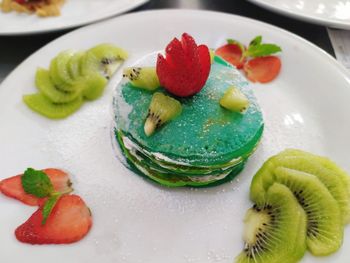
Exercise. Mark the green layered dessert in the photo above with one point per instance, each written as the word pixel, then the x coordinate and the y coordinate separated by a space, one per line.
pixel 190 121
pixel 205 145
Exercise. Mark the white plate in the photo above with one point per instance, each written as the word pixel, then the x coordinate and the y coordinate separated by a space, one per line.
pixel 135 221
pixel 331 13
pixel 74 13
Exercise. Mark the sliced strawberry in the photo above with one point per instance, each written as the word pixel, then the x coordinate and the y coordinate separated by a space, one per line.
pixel 185 68
pixel 262 69
pixel 12 187
pixel 232 53
pixel 69 221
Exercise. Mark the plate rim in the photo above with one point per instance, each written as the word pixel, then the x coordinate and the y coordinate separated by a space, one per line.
pixel 302 17
pixel 75 25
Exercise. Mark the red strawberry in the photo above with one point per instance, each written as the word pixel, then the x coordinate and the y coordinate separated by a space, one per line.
pixel 185 68
pixel 262 69
pixel 69 221
pixel 232 53
pixel 12 187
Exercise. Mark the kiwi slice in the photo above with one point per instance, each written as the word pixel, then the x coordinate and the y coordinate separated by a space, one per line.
pixel 234 100
pixel 275 230
pixel 324 221
pixel 144 78
pixel 59 72
pixel 212 55
pixel 104 59
pixel 265 177
pixel 93 86
pixel 39 103
pixel 161 110
pixel 46 87
pixel 74 65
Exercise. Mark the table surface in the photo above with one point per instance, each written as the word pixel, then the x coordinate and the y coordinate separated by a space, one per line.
pixel 14 49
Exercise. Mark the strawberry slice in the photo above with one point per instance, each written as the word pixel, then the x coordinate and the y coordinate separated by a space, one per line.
pixel 262 69
pixel 232 53
pixel 185 68
pixel 69 221
pixel 12 187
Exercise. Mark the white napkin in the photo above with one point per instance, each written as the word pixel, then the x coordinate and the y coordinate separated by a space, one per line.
pixel 341 43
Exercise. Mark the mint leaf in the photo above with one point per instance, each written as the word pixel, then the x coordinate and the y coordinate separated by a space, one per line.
pixel 235 42
pixel 256 41
pixel 36 183
pixel 262 50
pixel 48 206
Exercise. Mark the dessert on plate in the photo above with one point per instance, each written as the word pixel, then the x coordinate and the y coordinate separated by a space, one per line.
pixel 190 121
pixel 43 8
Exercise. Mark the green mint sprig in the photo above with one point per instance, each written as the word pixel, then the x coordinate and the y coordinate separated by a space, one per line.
pixel 257 49
pixel 37 183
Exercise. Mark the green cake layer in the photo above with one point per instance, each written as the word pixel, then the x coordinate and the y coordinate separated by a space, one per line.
pixel 205 145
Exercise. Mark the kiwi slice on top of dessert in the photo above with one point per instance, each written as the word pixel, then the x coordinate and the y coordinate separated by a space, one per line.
pixel 274 230
pixel 162 109
pixel 104 59
pixel 145 77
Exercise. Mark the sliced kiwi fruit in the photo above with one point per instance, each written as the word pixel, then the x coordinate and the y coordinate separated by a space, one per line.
pixel 74 65
pixel 104 59
pixel 48 89
pixel 324 221
pixel 59 72
pixel 265 177
pixel 144 78
pixel 40 104
pixel 93 86
pixel 275 230
pixel 234 100
pixel 161 110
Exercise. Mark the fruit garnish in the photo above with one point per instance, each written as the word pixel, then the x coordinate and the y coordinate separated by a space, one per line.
pixel 262 69
pixel 274 231
pixel 70 220
pixel 40 104
pixel 12 187
pixel 234 100
pixel 161 110
pixel 104 59
pixel 72 77
pixel 321 189
pixel 185 68
pixel 256 59
pixel 232 52
pixel 144 78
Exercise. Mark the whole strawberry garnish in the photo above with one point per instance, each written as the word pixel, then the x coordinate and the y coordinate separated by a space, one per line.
pixel 185 68
pixel 69 221
pixel 12 187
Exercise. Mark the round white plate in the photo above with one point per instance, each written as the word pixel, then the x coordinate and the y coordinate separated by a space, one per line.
pixel 331 13
pixel 135 221
pixel 74 13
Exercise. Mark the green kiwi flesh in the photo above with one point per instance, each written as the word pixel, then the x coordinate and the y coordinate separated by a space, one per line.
pixel 303 162
pixel 144 78
pixel 104 59
pixel 93 86
pixel 40 104
pixel 161 110
pixel 74 65
pixel 47 88
pixel 234 100
pixel 324 221
pixel 59 72
pixel 275 230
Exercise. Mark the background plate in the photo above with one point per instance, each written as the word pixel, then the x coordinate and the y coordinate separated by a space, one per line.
pixel 74 13
pixel 135 221
pixel 331 13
